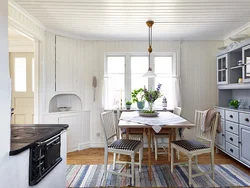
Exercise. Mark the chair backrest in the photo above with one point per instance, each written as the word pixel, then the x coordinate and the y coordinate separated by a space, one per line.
pixel 208 135
pixel 109 125
pixel 177 111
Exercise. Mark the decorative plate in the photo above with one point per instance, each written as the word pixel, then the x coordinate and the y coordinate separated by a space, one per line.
pixel 155 114
pixel 239 37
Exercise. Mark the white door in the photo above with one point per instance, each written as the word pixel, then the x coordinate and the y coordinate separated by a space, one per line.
pixel 22 77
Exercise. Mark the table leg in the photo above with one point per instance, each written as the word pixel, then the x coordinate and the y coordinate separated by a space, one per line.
pixel 174 139
pixel 169 146
pixel 149 155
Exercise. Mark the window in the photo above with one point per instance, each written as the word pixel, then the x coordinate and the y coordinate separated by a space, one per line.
pixel 124 73
pixel 114 81
pixel 20 74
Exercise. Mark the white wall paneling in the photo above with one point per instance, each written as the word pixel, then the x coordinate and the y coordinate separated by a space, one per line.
pixel 198 74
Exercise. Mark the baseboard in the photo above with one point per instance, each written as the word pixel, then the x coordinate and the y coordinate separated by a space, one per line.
pixel 97 145
pixel 82 146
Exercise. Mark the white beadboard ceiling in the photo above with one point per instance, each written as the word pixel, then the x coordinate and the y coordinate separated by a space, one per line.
pixel 125 19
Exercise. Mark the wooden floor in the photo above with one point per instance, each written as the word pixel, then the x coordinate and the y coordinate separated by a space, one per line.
pixel 95 156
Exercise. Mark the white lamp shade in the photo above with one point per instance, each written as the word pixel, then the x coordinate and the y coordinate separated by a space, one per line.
pixel 149 74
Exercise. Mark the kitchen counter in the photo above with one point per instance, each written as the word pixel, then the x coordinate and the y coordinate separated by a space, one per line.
pixel 24 136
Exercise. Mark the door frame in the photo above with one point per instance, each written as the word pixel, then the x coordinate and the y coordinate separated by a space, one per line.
pixel 38 63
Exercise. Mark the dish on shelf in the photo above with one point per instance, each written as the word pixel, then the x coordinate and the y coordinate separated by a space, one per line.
pixel 222 48
pixel 239 63
pixel 239 37
pixel 143 114
pixel 63 108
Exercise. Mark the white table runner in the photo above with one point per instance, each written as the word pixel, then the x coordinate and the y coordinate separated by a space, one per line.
pixel 163 119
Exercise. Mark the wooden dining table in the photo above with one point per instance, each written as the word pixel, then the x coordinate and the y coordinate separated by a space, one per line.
pixel 130 121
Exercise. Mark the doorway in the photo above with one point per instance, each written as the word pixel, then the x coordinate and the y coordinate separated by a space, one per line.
pixel 21 62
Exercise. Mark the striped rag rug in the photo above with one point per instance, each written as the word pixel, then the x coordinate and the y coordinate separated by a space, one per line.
pixel 92 176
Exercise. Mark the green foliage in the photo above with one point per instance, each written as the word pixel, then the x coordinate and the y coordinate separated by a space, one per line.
pixel 148 111
pixel 137 95
pixel 128 103
pixel 152 95
pixel 234 103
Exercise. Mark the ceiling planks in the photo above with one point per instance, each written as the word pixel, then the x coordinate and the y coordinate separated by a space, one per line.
pixel 125 20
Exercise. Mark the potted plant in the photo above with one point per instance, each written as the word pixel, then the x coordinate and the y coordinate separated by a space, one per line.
pixel 138 97
pixel 128 105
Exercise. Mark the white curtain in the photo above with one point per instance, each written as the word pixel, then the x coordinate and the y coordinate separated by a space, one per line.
pixel 176 91
pixel 109 100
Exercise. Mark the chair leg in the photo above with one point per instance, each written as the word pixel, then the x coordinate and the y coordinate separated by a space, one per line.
pixel 156 147
pixel 190 170
pixel 133 168
pixel 140 158
pixel 196 161
pixel 114 160
pixel 172 159
pixel 105 165
pixel 212 164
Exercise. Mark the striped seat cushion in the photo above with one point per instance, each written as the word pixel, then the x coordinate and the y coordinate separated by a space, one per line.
pixel 190 145
pixel 125 144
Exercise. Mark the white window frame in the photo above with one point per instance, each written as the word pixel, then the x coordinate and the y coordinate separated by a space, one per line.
pixel 127 69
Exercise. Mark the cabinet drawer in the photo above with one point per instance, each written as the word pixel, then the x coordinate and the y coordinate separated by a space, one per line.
pixel 245 119
pixel 233 150
pixel 232 116
pixel 221 111
pixel 232 138
pixel 232 127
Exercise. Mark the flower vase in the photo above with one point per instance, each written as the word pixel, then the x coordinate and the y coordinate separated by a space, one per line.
pixel 150 106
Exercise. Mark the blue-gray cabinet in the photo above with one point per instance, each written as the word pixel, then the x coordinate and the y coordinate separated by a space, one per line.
pixel 220 138
pixel 234 139
pixel 245 143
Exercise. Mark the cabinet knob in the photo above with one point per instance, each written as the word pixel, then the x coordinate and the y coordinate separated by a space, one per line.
pixel 247 120
pixel 231 139
pixel 232 150
pixel 231 127
pixel 239 142
pixel 231 116
pixel 223 134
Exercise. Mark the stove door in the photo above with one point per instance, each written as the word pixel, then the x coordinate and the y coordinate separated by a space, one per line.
pixel 52 152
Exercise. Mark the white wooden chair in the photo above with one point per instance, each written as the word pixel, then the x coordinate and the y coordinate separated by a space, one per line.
pixel 192 148
pixel 119 146
pixel 177 111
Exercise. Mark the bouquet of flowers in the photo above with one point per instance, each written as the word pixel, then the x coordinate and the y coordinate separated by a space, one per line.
pixel 151 96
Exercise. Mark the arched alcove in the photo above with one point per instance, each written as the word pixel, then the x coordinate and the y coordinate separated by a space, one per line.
pixel 71 101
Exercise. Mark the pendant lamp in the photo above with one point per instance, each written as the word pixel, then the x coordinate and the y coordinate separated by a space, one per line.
pixel 149 73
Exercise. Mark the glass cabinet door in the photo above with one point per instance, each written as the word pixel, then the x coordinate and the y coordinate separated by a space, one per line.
pixel 246 63
pixel 222 72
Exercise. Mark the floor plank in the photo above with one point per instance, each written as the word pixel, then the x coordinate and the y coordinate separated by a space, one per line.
pixel 95 156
